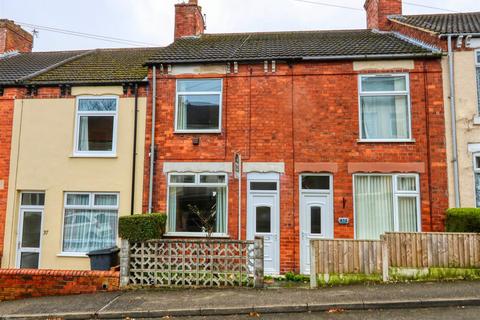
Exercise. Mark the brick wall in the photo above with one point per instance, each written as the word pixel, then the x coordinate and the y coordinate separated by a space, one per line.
pixel 306 113
pixel 23 283
pixel 6 119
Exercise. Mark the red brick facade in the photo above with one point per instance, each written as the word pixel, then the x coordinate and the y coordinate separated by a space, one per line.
pixel 188 19
pixel 13 37
pixel 306 115
pixel 24 283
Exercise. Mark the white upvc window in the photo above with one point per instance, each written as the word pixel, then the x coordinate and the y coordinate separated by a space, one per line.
pixel 198 106
pixel 476 169
pixel 197 204
pixel 90 222
pixel 386 203
pixel 96 126
pixel 384 112
pixel 477 66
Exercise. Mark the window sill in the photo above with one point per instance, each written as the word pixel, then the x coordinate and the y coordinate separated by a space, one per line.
pixel 197 132
pixel 386 141
pixel 194 235
pixel 94 156
pixel 72 255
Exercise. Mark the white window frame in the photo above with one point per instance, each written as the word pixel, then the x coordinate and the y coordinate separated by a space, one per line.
pixel 385 93
pixel 79 114
pixel 396 194
pixel 91 205
pixel 201 93
pixel 196 184
pixel 476 170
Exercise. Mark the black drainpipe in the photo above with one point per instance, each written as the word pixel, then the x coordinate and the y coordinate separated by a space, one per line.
pixel 134 163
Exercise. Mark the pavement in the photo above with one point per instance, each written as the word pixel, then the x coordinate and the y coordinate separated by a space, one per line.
pixel 160 303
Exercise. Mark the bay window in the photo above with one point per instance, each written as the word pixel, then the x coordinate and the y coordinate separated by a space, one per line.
pixel 96 126
pixel 198 105
pixel 385 108
pixel 90 222
pixel 386 203
pixel 197 203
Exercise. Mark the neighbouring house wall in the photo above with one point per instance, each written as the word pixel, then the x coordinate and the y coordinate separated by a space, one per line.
pixel 42 160
pixel 6 121
pixel 467 132
pixel 21 284
pixel 307 116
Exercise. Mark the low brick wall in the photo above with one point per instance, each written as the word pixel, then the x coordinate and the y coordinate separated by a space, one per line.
pixel 23 283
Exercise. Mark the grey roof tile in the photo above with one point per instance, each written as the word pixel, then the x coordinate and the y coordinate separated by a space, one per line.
pixel 450 23
pixel 284 45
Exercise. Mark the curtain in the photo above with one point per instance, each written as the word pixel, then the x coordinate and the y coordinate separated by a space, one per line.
pixel 105 200
pixel 477 188
pixel 83 144
pixel 97 105
pixel 478 86
pixel 172 210
pixel 407 214
pixel 407 184
pixel 221 210
pixel 384 117
pixel 373 205
pixel 182 113
pixel 87 230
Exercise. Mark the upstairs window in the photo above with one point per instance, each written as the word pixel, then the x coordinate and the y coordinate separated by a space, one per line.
pixel 477 60
pixel 476 168
pixel 96 126
pixel 385 108
pixel 198 106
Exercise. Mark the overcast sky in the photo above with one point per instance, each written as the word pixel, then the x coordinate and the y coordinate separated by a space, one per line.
pixel 151 21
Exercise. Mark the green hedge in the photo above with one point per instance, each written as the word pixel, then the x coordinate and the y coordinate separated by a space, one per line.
pixel 463 220
pixel 142 227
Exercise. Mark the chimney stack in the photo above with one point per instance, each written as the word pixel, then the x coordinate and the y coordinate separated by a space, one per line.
pixel 189 20
pixel 14 38
pixel 378 12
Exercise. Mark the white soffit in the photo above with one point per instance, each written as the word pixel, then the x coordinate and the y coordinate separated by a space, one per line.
pixel 197 167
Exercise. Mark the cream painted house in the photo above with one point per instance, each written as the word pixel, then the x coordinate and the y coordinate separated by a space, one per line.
pixel 75 165
pixel 458 36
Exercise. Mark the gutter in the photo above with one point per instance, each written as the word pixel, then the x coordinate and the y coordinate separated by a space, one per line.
pixel 451 68
pixel 318 58
pixel 152 142
pixel 134 161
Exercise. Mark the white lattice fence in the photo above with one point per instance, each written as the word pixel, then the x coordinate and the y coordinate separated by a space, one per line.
pixel 192 263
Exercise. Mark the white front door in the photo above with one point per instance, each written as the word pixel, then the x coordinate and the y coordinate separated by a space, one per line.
pixel 29 238
pixel 263 217
pixel 316 216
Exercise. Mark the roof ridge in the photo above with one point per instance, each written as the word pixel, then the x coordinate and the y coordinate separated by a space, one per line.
pixel 284 31
pixel 435 14
pixel 54 66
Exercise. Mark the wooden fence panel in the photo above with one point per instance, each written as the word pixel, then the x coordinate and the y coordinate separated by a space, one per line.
pixel 347 256
pixel 433 250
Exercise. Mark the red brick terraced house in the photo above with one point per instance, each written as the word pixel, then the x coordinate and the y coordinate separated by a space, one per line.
pixel 341 134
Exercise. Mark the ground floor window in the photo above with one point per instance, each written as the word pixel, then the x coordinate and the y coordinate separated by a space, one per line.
pixel 385 203
pixel 197 203
pixel 90 222
pixel 476 168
